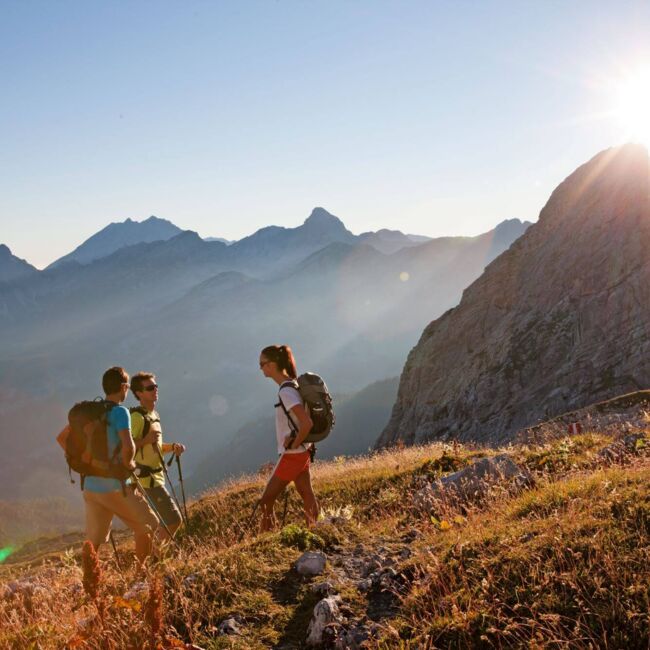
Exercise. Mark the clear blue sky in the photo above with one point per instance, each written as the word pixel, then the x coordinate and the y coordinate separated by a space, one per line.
pixel 431 117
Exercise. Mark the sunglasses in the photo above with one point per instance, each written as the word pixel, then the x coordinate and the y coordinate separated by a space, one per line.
pixel 151 388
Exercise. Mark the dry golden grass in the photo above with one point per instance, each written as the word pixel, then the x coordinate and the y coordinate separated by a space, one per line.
pixel 562 565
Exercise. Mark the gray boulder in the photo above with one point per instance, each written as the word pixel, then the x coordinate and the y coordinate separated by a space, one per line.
pixel 311 563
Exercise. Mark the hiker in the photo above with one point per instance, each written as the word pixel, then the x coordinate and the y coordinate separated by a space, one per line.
pixel 150 450
pixel 106 497
pixel 277 363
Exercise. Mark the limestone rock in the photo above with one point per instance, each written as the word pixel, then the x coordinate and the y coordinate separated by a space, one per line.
pixel 558 321
pixel 326 613
pixel 324 589
pixel 627 446
pixel 311 563
pixel 473 481
pixel 356 636
pixel 229 626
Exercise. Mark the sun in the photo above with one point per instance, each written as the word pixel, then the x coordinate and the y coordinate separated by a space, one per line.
pixel 633 106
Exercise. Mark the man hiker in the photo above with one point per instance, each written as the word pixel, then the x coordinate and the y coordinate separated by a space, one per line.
pixel 150 450
pixel 105 498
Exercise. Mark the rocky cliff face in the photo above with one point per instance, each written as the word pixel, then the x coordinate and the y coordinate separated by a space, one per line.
pixel 560 320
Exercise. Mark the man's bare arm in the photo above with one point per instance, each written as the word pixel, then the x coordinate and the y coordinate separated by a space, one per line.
pixel 128 448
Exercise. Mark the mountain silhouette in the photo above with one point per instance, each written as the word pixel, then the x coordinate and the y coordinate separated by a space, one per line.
pixel 12 267
pixel 118 235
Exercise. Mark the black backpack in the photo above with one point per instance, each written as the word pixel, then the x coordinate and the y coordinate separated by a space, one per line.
pixel 318 402
pixel 86 447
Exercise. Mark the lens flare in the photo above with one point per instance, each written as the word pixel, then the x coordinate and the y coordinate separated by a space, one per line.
pixel 5 553
pixel 633 106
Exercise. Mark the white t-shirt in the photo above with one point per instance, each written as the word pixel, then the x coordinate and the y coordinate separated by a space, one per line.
pixel 290 397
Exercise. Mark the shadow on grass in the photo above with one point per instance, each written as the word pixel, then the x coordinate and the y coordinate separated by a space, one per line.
pixel 293 592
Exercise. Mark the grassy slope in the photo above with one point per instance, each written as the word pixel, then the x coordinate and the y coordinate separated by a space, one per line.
pixel 562 565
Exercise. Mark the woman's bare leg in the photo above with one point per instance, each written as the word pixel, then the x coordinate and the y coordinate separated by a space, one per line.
pixel 273 490
pixel 303 485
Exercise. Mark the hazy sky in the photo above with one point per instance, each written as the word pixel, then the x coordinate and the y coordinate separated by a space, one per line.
pixel 431 117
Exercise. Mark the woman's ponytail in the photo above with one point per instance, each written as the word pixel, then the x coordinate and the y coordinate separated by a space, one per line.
pixel 289 362
pixel 283 357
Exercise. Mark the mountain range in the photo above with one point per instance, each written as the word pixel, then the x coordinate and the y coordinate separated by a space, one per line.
pixel 319 229
pixel 559 321
pixel 197 313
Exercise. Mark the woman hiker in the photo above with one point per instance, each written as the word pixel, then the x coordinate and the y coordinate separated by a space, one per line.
pixel 277 363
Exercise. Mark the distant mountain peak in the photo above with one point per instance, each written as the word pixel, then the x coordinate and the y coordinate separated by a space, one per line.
pixel 321 217
pixel 118 235
pixel 12 267
pixel 509 224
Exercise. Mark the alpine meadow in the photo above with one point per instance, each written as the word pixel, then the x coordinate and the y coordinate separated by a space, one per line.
pixel 374 375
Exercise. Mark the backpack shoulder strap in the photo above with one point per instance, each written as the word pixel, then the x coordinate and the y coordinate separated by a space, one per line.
pixel 294 384
pixel 147 422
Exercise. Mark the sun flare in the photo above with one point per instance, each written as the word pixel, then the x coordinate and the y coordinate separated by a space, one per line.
pixel 633 107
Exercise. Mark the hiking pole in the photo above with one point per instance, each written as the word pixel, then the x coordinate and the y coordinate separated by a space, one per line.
pixel 155 510
pixel 257 504
pixel 180 478
pixel 117 555
pixel 286 501
pixel 171 485
pixel 249 521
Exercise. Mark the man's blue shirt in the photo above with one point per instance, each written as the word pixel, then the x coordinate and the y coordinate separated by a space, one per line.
pixel 118 419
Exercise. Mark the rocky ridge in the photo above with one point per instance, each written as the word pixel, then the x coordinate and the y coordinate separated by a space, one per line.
pixel 558 321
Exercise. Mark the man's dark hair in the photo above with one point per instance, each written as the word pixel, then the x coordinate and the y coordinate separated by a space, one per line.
pixel 113 379
pixel 137 382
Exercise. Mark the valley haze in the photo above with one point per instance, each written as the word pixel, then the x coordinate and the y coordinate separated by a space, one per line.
pixel 147 295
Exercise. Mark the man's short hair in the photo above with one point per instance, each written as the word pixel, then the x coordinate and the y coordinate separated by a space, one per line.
pixel 137 381
pixel 113 379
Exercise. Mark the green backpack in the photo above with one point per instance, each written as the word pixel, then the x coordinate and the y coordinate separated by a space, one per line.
pixel 144 471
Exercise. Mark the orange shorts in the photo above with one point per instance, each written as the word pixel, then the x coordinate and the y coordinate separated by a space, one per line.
pixel 292 465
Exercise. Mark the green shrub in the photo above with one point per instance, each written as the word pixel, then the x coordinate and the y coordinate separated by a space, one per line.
pixel 301 538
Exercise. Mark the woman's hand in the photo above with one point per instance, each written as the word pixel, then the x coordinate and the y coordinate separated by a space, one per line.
pixel 304 427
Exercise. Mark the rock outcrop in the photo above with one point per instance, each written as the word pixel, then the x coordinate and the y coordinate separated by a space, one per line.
pixel 474 482
pixel 558 321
